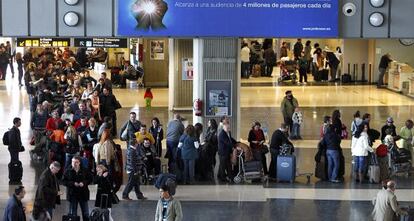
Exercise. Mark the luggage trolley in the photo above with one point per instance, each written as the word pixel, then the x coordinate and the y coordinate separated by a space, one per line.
pixel 249 170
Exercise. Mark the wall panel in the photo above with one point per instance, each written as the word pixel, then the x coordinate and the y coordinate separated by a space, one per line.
pixel 43 18
pixel 15 20
pixel 99 18
pixel 183 88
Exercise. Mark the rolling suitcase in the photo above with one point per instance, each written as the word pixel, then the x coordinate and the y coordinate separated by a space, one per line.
pixel 374 170
pixel 70 218
pixel 321 171
pixel 101 213
pixel 346 78
pixel 286 168
pixel 15 172
pixel 324 74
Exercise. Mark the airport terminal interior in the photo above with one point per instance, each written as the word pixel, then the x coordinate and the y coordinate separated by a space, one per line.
pixel 259 100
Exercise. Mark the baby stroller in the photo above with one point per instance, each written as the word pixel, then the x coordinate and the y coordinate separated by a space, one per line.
pixel 399 161
pixel 287 71
pixel 248 170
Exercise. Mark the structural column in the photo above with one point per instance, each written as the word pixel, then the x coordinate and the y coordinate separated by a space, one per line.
pixel 217 59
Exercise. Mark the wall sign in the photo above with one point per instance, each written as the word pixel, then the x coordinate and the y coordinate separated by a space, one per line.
pixel 43 42
pixel 101 42
pixel 157 49
pixel 230 18
pixel 187 67
pixel 218 97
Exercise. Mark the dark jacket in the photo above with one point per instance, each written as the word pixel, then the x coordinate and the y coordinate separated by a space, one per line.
pixel 70 177
pixel 188 150
pixel 297 49
pixel 384 128
pixel 252 137
pixel 270 56
pixel 15 142
pixel 278 139
pixel 154 132
pixel 14 210
pixel 47 190
pixel 132 128
pixel 225 144
pixel 104 187
pixel 384 62
pixel 337 125
pixel 211 139
pixel 332 60
pixel 107 105
pixel 331 141
pixel 39 120
pixel 133 159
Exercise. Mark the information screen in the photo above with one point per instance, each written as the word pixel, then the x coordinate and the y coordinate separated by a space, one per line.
pixel 43 42
pixel 228 18
pixel 101 42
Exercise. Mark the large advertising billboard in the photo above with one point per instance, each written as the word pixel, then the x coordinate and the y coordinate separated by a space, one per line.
pixel 228 18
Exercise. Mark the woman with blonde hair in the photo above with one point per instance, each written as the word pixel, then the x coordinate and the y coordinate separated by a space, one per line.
pixel 104 181
pixel 104 150
pixel 72 145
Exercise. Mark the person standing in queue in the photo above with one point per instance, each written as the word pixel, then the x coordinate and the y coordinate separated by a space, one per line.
pixel 76 179
pixel 225 148
pixel 288 106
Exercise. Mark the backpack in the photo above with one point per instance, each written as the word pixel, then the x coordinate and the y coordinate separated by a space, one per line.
pixel 6 138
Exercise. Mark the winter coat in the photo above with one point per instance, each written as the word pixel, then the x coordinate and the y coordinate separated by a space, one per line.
pixel 47 190
pixel 14 210
pixel 79 193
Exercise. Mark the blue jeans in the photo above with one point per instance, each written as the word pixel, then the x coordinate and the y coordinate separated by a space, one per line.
pixel 189 167
pixel 295 130
pixel 73 208
pixel 50 211
pixel 245 69
pixel 333 164
pixel 360 163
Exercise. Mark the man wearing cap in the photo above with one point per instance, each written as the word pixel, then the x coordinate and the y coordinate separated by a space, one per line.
pixel 388 125
pixel 385 204
pixel 288 106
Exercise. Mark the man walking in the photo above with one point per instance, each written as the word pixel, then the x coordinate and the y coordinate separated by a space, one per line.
pixel 133 165
pixel 288 106
pixel 47 193
pixel 14 210
pixel 385 204
pixel 131 126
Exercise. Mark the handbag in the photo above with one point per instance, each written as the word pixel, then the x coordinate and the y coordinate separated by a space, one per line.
pixel 124 135
pixel 264 149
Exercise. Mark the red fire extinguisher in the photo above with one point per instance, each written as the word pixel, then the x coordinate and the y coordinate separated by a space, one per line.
pixel 198 107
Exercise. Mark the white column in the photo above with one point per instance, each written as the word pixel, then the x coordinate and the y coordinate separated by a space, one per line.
pixel 171 74
pixel 237 92
pixel 198 77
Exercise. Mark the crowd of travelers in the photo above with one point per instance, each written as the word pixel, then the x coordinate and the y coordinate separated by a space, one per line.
pixel 74 123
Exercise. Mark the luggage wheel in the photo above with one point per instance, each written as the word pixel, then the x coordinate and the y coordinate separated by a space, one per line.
pixel 308 176
pixel 237 179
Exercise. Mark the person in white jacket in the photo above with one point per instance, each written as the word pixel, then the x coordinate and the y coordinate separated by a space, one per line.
pixel 360 149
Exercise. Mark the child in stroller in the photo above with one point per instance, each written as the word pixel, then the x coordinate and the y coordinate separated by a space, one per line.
pixel 248 169
pixel 287 70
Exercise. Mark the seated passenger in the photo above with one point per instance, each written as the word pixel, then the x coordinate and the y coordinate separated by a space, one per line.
pixel 151 159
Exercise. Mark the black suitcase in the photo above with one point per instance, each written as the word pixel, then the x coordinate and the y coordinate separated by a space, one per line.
pixel 324 74
pixel 317 76
pixel 70 218
pixel 346 78
pixel 15 171
pixel 321 170
pixel 253 166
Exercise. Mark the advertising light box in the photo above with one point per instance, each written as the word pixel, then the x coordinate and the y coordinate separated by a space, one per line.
pixel 228 18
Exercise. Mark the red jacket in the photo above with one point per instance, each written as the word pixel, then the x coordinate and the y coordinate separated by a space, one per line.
pixel 148 95
pixel 52 124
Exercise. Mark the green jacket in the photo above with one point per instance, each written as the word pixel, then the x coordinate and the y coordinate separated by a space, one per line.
pixel 174 211
pixel 406 137
pixel 287 107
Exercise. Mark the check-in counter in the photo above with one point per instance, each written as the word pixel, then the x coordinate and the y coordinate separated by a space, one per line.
pixel 401 77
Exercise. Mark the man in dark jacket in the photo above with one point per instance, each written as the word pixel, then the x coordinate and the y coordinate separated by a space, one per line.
pixel 76 179
pixel 383 65
pixel 47 193
pixel 133 166
pixel 225 148
pixel 389 125
pixel 297 49
pixel 14 210
pixel 132 126
pixel 270 59
pixel 279 137
pixel 108 105
pixel 15 141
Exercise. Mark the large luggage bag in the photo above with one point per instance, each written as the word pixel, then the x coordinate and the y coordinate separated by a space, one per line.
pixel 374 170
pixel 346 78
pixel 15 172
pixel 324 73
pixel 321 170
pixel 101 213
pixel 286 168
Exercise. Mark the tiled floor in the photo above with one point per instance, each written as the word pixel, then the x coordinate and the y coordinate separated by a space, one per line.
pixel 320 200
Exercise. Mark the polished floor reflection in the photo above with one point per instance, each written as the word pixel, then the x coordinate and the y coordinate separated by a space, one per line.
pixel 321 200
